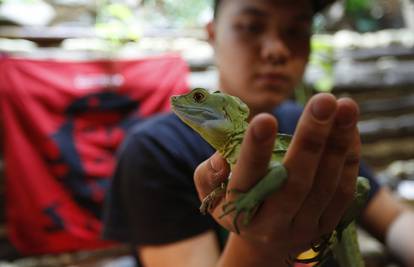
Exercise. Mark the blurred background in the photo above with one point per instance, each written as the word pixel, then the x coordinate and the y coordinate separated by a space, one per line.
pixel 361 48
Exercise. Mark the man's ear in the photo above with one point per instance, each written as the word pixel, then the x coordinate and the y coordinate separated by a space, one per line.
pixel 211 34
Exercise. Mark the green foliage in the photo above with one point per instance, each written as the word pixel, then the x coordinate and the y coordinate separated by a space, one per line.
pixel 354 6
pixel 322 58
pixel 183 12
pixel 359 12
pixel 115 22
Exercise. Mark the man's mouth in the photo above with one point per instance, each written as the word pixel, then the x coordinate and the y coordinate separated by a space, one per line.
pixel 273 78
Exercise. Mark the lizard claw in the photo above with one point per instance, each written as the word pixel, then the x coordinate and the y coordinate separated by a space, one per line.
pixel 242 205
pixel 206 204
pixel 209 201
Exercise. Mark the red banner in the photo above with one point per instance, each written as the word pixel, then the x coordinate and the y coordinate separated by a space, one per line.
pixel 62 123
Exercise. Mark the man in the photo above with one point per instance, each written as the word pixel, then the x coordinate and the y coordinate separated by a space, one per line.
pixel 261 50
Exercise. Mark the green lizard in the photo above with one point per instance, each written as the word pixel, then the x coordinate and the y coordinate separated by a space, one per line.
pixel 221 120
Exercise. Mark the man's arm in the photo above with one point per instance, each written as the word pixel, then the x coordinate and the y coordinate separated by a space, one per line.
pixel 201 251
pixel 381 211
pixel 391 222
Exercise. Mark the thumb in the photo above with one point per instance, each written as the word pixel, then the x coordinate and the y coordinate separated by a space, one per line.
pixel 210 174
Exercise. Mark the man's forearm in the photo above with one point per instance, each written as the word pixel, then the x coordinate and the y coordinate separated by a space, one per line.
pixel 400 237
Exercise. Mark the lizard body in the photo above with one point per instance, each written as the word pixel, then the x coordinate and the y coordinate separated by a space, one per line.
pixel 221 120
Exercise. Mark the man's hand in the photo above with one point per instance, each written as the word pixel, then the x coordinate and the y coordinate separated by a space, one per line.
pixel 322 163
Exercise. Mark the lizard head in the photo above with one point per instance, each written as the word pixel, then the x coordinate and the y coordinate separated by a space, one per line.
pixel 215 116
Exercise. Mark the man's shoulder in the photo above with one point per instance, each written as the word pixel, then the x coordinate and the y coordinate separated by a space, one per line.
pixel 159 125
pixel 289 106
pixel 164 132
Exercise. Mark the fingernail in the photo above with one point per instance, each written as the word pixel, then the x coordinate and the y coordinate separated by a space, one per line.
pixel 346 116
pixel 322 109
pixel 345 121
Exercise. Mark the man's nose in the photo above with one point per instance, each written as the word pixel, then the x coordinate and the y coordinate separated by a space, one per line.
pixel 275 49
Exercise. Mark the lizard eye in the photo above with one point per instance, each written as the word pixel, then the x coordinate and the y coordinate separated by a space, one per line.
pixel 199 97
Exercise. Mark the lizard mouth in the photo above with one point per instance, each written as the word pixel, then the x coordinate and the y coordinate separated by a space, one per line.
pixel 195 114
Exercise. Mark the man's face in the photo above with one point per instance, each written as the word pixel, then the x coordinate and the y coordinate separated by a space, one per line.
pixel 262 47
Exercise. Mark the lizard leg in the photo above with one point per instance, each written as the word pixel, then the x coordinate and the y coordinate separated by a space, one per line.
pixel 246 204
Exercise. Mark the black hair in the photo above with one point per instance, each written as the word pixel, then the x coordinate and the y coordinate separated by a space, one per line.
pixel 216 4
pixel 317 4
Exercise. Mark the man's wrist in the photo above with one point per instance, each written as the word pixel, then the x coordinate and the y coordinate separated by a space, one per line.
pixel 240 251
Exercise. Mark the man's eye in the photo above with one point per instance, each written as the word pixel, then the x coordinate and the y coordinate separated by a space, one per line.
pixel 199 97
pixel 298 32
pixel 250 28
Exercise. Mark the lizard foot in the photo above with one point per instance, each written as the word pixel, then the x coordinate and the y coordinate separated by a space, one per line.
pixel 243 204
pixel 209 201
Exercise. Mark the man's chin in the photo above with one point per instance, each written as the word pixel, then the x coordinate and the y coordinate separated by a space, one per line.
pixel 266 104
pixel 272 96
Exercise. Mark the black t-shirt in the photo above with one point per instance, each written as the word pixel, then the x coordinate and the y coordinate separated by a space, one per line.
pixel 153 199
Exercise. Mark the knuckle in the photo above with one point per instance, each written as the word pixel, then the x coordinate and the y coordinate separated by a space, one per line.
pixel 352 159
pixel 204 177
pixel 300 187
pixel 324 194
pixel 337 145
pixel 218 178
pixel 346 193
pixel 313 143
pixel 256 161
pixel 330 219
pixel 304 233
pixel 256 155
pixel 327 225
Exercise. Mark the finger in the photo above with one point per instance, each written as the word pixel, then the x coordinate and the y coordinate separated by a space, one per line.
pixel 330 167
pixel 251 166
pixel 304 153
pixel 210 174
pixel 344 193
pixel 255 153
